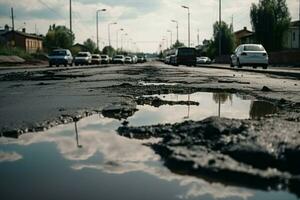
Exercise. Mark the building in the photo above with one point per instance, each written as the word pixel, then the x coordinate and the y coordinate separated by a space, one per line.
pixel 291 37
pixel 31 43
pixel 244 36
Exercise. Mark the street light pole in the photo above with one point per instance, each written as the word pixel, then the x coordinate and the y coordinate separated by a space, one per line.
pixel 97 25
pixel 71 16
pixel 189 27
pixel 114 23
pixel 176 28
pixel 125 34
pixel 171 39
pixel 220 27
pixel 118 36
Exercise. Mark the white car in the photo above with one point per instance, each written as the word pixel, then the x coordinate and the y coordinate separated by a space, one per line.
pixel 128 60
pixel 96 59
pixel 83 58
pixel 105 59
pixel 118 59
pixel 203 60
pixel 250 55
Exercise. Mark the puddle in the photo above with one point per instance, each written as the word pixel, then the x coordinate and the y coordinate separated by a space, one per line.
pixel 226 105
pixel 143 83
pixel 89 160
pixel 97 163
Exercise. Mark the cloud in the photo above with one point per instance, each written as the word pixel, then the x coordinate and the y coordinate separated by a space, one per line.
pixel 9 156
pixel 146 22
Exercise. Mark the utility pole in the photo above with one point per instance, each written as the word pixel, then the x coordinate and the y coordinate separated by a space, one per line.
pixel 12 19
pixel 71 16
pixel 189 26
pixel 220 26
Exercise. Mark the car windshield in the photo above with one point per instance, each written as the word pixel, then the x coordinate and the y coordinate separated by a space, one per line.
pixel 253 48
pixel 186 52
pixel 95 56
pixel 119 57
pixel 58 53
pixel 82 55
pixel 104 57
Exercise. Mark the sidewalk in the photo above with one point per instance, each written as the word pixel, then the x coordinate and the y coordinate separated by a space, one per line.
pixel 279 71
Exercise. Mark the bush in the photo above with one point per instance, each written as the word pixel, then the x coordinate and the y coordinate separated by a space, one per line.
pixel 14 51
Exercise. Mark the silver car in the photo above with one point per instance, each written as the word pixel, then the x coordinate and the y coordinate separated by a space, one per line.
pixel 60 57
pixel 83 58
pixel 250 55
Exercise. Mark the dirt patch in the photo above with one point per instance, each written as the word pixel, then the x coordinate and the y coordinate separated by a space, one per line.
pixel 259 154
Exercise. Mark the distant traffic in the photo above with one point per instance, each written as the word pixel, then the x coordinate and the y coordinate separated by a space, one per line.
pixel 64 57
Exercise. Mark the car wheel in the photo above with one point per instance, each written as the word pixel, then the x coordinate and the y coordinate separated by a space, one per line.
pixel 254 67
pixel 57 65
pixel 231 64
pixel 265 67
pixel 239 64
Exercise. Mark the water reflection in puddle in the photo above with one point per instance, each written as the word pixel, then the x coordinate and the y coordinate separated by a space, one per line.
pixel 211 104
pixel 89 160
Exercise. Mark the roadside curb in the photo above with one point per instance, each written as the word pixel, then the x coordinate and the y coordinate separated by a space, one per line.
pixel 293 74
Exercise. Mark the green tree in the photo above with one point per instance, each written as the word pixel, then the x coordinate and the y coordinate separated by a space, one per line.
pixel 177 44
pixel 90 45
pixel 109 50
pixel 58 37
pixel 270 19
pixel 227 39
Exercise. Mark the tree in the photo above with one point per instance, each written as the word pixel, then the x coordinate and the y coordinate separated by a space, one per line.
pixel 227 39
pixel 109 50
pixel 177 45
pixel 270 19
pixel 58 37
pixel 90 45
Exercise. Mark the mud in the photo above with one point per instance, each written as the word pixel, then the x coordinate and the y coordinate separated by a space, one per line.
pixel 260 154
pixel 157 102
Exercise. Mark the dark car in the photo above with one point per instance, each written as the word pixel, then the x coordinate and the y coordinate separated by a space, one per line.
pixel 60 57
pixel 141 59
pixel 186 56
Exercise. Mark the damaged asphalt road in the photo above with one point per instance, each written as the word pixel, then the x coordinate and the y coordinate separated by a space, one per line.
pixel 260 153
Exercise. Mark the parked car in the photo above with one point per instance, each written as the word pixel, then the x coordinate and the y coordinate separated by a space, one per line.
pixel 141 59
pixel 96 59
pixel 185 56
pixel 60 57
pixel 167 59
pixel 83 58
pixel 104 59
pixel 250 55
pixel 118 59
pixel 134 59
pixel 173 60
pixel 128 60
pixel 203 60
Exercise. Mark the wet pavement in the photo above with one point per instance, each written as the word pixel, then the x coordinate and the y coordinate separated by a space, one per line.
pixel 88 159
pixel 148 131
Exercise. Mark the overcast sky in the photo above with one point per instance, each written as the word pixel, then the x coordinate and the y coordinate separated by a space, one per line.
pixel 146 22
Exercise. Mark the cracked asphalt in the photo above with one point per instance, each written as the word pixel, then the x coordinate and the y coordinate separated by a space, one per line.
pixel 35 97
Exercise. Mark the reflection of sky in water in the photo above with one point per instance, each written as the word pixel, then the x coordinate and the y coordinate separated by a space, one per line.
pixel 107 166
pixel 233 107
